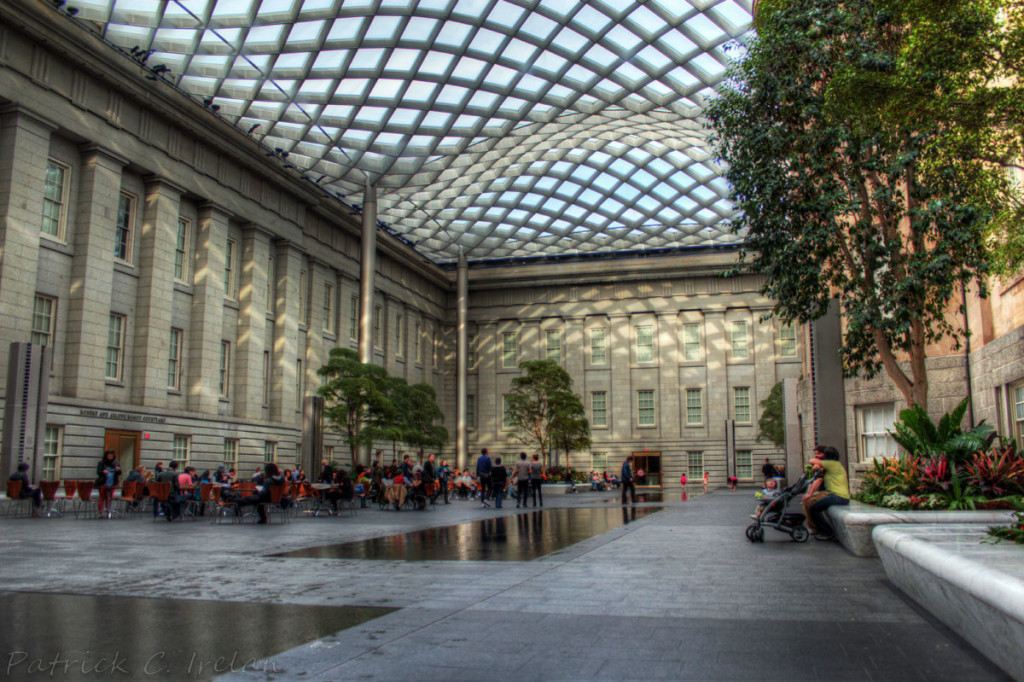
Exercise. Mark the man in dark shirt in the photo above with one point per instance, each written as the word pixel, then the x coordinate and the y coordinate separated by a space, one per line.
pixel 26 487
pixel 627 480
pixel 499 477
pixel 483 475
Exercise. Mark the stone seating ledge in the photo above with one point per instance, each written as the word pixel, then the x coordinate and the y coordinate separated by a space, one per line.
pixel 975 588
pixel 854 523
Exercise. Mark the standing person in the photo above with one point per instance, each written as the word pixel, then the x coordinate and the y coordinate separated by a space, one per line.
pixel 626 479
pixel 444 472
pixel 705 481
pixel 326 472
pixel 430 476
pixel 522 480
pixel 536 479
pixel 483 476
pixel 406 467
pixel 768 470
pixel 499 477
pixel 682 481
pixel 828 490
pixel 173 507
pixel 108 473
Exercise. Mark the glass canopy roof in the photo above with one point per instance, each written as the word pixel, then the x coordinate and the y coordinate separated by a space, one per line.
pixel 505 128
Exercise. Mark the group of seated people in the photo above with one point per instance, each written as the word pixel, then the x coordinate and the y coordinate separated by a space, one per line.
pixel 603 481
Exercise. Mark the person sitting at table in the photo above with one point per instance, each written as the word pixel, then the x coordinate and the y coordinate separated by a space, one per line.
pixel 418 490
pixel 26 487
pixel 136 475
pixel 221 476
pixel 271 476
pixel 396 492
pixel 363 483
pixel 172 509
pixel 326 472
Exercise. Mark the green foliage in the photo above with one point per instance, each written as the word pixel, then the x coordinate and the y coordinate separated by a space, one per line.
pixel 365 404
pixel 545 411
pixel 996 473
pixel 1014 532
pixel 839 190
pixel 771 426
pixel 916 433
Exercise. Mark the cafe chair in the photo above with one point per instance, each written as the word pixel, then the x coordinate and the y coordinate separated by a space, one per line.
pixel 70 489
pixel 85 500
pixel 222 509
pixel 277 494
pixel 50 501
pixel 160 492
pixel 16 505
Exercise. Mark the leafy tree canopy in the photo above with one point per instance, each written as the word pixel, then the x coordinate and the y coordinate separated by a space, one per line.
pixel 851 201
pixel 771 426
pixel 545 411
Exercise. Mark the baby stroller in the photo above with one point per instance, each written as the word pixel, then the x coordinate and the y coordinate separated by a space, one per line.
pixel 774 515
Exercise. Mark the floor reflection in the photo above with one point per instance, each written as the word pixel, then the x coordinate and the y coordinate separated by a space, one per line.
pixel 82 637
pixel 520 537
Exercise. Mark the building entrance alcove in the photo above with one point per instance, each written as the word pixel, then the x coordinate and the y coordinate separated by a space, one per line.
pixel 650 464
pixel 126 444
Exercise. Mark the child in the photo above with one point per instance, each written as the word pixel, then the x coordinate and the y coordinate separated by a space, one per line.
pixel 682 481
pixel 769 493
pixel 705 483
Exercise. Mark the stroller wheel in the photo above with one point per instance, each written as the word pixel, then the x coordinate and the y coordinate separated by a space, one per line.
pixel 800 534
pixel 755 533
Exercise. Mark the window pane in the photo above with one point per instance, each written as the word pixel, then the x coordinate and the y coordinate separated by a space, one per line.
pixel 787 341
pixel 470 412
pixel 744 465
pixel 599 408
pixel 181 251
pixel 174 358
pixel 645 408
pixel 554 346
pixel 123 230
pixel 739 340
pixel 508 350
pixel 229 269
pixel 42 320
pixel 115 337
pixel 741 405
pixel 598 355
pixel 506 411
pixel 53 200
pixel 691 342
pixel 694 407
pixel 695 465
pixel 644 344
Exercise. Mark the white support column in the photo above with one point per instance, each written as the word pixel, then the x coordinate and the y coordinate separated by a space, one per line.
pixel 368 269
pixel 207 325
pixel 252 323
pixel 462 298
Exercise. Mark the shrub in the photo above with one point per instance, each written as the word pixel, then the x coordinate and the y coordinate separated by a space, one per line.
pixel 996 473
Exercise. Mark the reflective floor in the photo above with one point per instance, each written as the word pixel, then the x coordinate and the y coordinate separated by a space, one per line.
pixel 520 537
pixel 80 637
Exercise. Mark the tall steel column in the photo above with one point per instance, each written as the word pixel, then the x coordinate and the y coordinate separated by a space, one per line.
pixel 369 268
pixel 462 301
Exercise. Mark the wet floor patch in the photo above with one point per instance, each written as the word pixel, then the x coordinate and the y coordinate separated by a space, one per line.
pixel 520 537
pixel 82 637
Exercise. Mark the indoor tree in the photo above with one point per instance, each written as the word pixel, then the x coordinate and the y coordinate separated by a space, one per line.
pixel 835 203
pixel 543 408
pixel 355 397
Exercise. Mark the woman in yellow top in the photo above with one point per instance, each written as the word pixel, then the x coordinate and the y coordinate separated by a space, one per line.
pixel 828 490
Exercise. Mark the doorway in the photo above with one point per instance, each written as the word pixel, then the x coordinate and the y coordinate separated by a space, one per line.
pixel 126 444
pixel 650 464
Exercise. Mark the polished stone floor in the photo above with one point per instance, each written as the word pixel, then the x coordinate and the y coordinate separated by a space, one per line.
pixel 678 593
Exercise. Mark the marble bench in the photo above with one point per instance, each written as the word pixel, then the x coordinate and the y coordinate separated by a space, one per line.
pixel 975 588
pixel 853 523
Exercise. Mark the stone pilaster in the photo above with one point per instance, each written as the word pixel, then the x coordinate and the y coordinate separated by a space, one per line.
pixel 669 413
pixel 247 396
pixel 622 397
pixel 716 344
pixel 24 149
pixel 92 274
pixel 283 397
pixel 154 300
pixel 207 310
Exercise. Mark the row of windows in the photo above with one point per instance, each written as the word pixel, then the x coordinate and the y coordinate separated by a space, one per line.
pixel 694 464
pixel 53 450
pixel 645 408
pixel 644 339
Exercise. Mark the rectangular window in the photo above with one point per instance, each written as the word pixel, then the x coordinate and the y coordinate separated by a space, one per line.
pixel 695 465
pixel 53 448
pixel 181 245
pixel 43 320
pixel 741 405
pixel 55 191
pixel 115 347
pixel 353 318
pixel 744 465
pixel 183 450
pixel 554 346
pixel 694 407
pixel 231 453
pixel 599 409
pixel 470 411
pixel 266 377
pixel 271 285
pixel 1018 415
pixel 302 297
pixel 224 381
pixel 328 308
pixel 400 336
pixel 418 343
pixel 507 422
pixel 124 231
pixel 873 424
pixel 787 341
pixel 378 321
pixel 509 353
pixel 645 408
pixel 738 337
pixel 229 269
pixel 598 349
pixel 471 351
pixel 269 452
pixel 174 360
pixel 329 454
pixel 691 342
pixel 644 344
pixel 599 462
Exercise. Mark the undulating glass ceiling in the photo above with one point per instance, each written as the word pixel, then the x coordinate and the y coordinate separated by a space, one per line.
pixel 507 128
